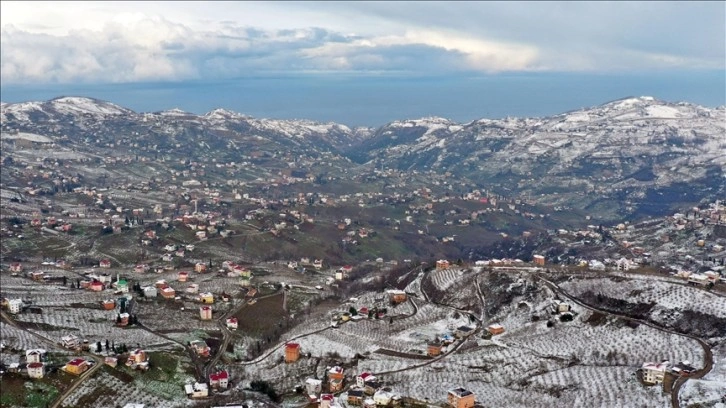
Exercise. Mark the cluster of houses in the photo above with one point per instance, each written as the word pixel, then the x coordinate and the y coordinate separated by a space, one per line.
pixel 708 278
pixel 217 381
pixel 51 223
pixel 368 391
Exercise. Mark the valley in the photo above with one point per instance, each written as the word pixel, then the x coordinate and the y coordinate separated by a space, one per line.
pixel 170 259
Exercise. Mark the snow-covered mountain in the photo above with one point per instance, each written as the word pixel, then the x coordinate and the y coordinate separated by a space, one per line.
pixel 86 117
pixel 631 148
pixel 636 152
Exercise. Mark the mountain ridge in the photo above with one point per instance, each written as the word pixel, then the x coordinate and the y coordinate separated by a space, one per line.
pixel 625 152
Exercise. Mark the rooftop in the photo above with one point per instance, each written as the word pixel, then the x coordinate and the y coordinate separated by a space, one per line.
pixel 460 392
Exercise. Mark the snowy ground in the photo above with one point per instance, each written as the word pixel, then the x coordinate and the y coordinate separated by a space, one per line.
pixel 666 295
pixel 709 390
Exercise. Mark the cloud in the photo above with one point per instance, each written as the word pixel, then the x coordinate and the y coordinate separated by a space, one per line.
pixel 134 48
pixel 73 42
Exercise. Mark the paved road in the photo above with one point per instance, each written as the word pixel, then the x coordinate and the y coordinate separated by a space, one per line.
pixel 227 334
pixel 88 374
pixel 708 355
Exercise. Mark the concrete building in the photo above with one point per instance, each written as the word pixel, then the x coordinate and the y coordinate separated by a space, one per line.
pixel 461 398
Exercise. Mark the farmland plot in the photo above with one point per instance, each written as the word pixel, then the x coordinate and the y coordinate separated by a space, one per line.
pixel 432 384
pixel 285 376
pixel 570 364
pixel 109 391
pixel 663 294
pixel 709 389
pixel 403 334
pixel 166 316
pixel 443 279
pixel 611 343
pixel 332 341
pixel 683 308
pixel 599 386
pixel 47 294
pixel 14 338
pixel 378 363
pixel 92 324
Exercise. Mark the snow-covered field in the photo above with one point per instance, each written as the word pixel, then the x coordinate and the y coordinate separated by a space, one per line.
pixel 665 295
pixel 93 325
pixel 708 390
pixel 112 392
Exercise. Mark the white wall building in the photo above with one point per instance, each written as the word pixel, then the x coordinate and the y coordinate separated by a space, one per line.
pixel 15 306
pixel 653 373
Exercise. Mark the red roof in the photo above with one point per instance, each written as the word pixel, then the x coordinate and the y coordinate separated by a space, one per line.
pixel 35 365
pixel 292 345
pixel 365 375
pixel 77 362
pixel 219 376
pixel 232 320
pixel 327 397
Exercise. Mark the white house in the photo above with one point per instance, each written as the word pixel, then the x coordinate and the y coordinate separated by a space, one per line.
pixel 34 355
pixel 36 370
pixel 196 390
pixel 559 306
pixel 699 279
pixel 653 373
pixel 70 341
pixel 313 386
pixel 150 291
pixel 15 305
pixel 362 378
pixel 624 264
pixel 382 398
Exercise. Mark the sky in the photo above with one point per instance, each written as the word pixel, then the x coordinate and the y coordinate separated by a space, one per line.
pixel 364 63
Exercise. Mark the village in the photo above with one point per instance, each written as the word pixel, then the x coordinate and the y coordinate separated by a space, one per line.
pixel 121 299
pixel 215 282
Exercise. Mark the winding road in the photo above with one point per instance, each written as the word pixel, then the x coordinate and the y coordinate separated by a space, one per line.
pixel 83 377
pixel 708 355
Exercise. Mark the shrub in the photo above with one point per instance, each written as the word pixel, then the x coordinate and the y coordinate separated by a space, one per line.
pixel 265 388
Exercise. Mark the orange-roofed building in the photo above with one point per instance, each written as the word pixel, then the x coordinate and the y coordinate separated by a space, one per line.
pixel 292 352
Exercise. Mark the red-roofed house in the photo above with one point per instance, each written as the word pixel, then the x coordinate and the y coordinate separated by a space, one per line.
pixel 361 379
pixel 167 292
pixel 105 263
pixel 219 380
pixel 76 366
pixel 292 352
pixel 232 323
pixel 326 400
pixel 96 286
pixel 335 379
